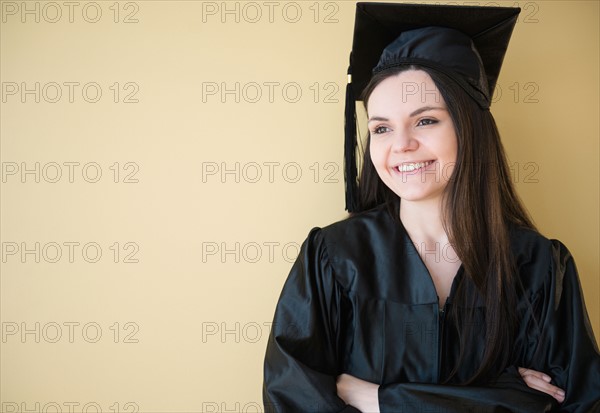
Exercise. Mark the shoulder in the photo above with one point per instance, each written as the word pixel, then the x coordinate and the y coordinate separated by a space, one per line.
pixel 529 245
pixel 358 248
pixel 379 215
pixel 539 259
pixel 361 231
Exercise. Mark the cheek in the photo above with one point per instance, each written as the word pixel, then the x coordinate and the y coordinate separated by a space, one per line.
pixel 378 155
pixel 447 171
pixel 449 148
pixel 450 157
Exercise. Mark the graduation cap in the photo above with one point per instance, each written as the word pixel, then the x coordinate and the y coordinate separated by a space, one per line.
pixel 467 43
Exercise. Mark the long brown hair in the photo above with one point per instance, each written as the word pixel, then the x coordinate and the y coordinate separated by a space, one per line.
pixel 480 204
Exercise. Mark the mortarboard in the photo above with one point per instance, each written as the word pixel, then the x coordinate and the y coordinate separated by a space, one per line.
pixel 467 43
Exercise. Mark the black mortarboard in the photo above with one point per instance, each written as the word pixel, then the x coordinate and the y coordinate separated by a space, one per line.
pixel 467 43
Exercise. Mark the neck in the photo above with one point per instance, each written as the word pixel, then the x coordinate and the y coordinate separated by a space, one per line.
pixel 423 220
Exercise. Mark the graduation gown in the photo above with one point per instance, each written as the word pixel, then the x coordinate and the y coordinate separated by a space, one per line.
pixel 360 300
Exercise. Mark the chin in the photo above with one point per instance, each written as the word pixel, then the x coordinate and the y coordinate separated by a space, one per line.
pixel 418 195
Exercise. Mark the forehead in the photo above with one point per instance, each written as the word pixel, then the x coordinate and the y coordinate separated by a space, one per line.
pixel 404 91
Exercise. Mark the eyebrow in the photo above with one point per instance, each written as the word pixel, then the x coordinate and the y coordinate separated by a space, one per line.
pixel 415 113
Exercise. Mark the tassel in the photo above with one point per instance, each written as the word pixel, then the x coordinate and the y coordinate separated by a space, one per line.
pixel 350 169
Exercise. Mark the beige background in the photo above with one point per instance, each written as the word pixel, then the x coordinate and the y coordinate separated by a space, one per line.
pixel 184 311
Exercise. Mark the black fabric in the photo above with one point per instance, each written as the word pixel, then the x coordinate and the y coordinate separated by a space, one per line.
pixel 359 300
pixel 446 50
pixel 378 25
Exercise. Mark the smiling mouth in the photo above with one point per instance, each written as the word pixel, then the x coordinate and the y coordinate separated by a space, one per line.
pixel 410 167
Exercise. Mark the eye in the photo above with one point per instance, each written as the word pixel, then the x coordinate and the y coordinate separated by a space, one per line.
pixel 379 130
pixel 426 121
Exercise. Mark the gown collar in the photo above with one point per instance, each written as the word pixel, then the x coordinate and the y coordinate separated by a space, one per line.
pixel 423 277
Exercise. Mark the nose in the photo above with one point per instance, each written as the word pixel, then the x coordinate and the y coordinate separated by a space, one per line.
pixel 404 141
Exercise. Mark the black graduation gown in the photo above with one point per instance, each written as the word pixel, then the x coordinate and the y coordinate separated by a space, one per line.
pixel 359 300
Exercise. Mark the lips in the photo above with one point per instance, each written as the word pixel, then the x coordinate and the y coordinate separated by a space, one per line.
pixel 412 166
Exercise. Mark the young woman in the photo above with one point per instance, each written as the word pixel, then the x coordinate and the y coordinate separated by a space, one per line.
pixel 437 294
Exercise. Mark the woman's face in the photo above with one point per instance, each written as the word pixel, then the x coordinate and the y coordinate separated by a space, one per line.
pixel 413 142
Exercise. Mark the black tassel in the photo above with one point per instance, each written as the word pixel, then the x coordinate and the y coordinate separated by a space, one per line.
pixel 350 169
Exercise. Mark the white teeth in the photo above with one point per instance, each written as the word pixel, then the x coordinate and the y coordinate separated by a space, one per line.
pixel 408 167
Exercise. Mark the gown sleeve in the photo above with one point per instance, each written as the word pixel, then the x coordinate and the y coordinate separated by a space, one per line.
pixel 566 350
pixel 301 367
pixel 508 393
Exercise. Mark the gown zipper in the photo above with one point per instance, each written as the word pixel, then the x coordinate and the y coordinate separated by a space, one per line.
pixel 442 318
